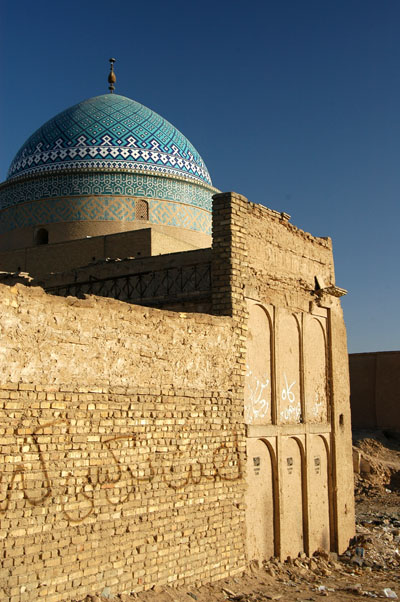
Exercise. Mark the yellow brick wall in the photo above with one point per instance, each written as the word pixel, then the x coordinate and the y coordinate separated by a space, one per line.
pixel 115 473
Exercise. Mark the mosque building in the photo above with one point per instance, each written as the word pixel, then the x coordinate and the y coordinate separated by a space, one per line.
pixel 104 166
pixel 173 367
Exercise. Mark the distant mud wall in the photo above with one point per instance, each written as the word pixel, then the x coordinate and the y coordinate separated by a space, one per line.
pixel 121 447
pixel 375 386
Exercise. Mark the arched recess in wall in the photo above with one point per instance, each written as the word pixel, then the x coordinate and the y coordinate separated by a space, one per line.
pixel 41 236
pixel 262 515
pixel 288 378
pixel 315 369
pixel 141 210
pixel 259 367
pixel 293 502
pixel 319 494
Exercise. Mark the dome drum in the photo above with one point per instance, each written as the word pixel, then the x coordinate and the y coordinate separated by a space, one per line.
pixel 82 216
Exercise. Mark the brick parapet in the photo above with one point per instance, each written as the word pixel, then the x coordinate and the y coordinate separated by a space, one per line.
pixel 228 275
pixel 229 270
pixel 283 219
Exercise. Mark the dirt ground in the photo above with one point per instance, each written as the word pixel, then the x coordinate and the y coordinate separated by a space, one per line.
pixel 369 568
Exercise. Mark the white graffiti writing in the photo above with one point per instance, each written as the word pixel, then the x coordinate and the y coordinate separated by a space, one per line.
pixel 292 412
pixel 287 394
pixel 257 406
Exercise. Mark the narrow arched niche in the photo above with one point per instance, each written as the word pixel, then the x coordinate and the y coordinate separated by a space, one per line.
pixel 41 236
pixel 258 384
pixel 141 210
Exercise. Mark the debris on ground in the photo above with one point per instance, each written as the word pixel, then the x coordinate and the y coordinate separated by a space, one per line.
pixel 370 567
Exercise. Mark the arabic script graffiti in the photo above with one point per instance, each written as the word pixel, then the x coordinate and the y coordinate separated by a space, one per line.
pixel 117 476
pixel 292 410
pixel 257 405
pixel 319 410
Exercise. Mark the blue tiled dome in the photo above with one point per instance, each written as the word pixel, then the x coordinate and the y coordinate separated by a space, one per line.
pixel 113 133
pixel 100 161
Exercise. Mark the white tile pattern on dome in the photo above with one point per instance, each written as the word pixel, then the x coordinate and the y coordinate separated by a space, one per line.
pixel 110 132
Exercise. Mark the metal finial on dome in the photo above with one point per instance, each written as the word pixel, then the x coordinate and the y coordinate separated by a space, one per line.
pixel 111 77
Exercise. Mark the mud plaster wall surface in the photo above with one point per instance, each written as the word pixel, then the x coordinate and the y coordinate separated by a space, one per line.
pixel 283 260
pixel 282 265
pixel 375 383
pixel 105 342
pixel 121 448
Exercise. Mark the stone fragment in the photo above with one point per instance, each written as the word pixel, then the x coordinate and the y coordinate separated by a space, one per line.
pixel 389 593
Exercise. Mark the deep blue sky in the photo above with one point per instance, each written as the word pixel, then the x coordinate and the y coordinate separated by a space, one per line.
pixel 293 103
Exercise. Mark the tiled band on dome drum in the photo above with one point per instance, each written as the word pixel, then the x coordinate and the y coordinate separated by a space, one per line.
pixel 102 208
pixel 104 183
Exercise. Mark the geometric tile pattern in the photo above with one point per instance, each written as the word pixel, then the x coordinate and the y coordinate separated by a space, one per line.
pixel 58 185
pixel 182 216
pixel 110 132
pixel 102 208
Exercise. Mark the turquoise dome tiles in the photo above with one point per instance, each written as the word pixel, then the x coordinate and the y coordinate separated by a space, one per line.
pixel 58 185
pixel 110 132
pixel 91 162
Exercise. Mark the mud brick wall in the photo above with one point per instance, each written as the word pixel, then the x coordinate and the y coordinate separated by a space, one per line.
pixel 121 447
pixel 284 260
pixel 278 284
pixel 375 382
pixel 293 271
